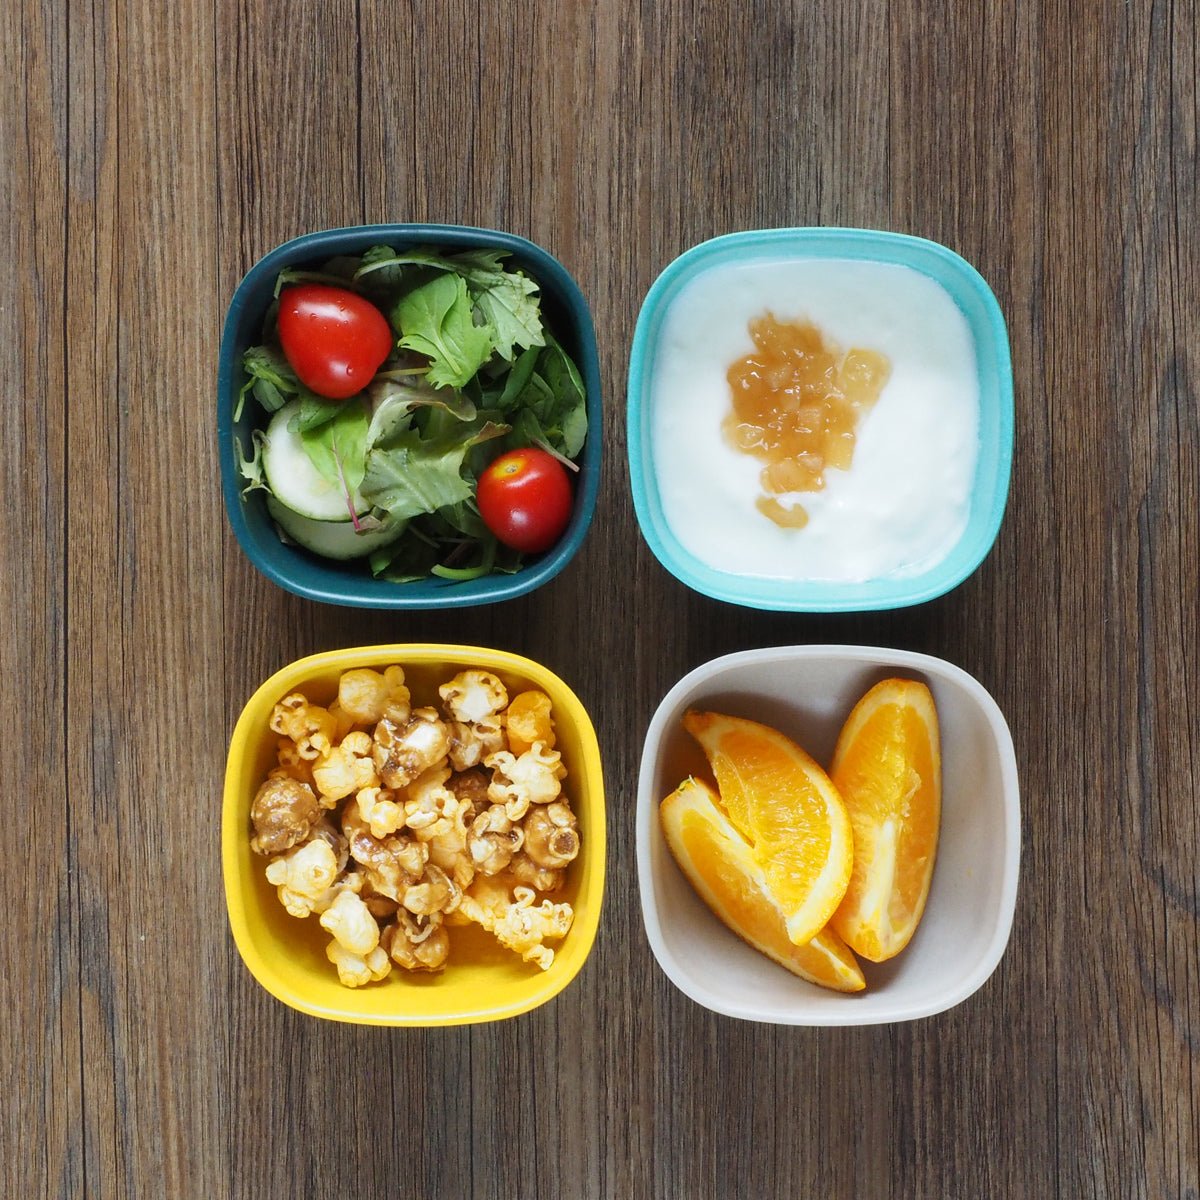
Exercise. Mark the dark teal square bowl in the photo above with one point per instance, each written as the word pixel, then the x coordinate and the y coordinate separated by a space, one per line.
pixel 298 571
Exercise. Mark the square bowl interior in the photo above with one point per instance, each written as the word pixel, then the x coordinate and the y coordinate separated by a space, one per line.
pixel 988 498
pixel 482 981
pixel 807 693
pixel 567 314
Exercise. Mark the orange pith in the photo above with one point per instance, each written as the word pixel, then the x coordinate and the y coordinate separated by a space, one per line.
pixel 720 866
pixel 887 766
pixel 787 810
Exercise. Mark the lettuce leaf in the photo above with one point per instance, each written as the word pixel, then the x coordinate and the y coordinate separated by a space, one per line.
pixel 269 379
pixel 315 411
pixel 272 382
pixel 251 469
pixel 337 272
pixel 406 560
pixel 518 379
pixel 545 402
pixel 568 415
pixel 452 543
pixel 411 475
pixel 338 447
pixel 394 403
pixel 506 300
pixel 437 320
pixel 380 270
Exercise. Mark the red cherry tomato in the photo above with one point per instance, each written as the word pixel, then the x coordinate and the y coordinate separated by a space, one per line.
pixel 524 498
pixel 334 339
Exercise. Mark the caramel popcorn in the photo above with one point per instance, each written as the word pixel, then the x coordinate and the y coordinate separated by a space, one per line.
pixel 291 764
pixel 436 893
pixel 343 722
pixel 551 835
pixel 389 864
pixel 389 823
pixel 380 810
pixel 311 727
pixel 403 751
pixel 283 814
pixel 351 923
pixel 532 778
pixel 417 944
pixel 474 701
pixel 528 720
pixel 303 876
pixel 431 808
pixel 345 768
pixel 366 696
pixel 471 785
pixel 448 849
pixel 357 970
pixel 493 840
pixel 514 920
pixel 543 879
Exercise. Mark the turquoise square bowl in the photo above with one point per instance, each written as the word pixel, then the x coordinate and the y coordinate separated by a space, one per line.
pixel 988 492
pixel 296 570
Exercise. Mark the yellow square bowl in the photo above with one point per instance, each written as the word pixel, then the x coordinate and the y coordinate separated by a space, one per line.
pixel 482 981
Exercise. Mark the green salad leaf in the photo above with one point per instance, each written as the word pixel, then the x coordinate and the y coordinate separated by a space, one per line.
pixel 338 447
pixel 452 543
pixel 410 558
pixel 394 403
pixel 516 381
pixel 251 469
pixel 410 475
pixel 381 269
pixel 269 378
pixel 568 415
pixel 544 399
pixel 505 298
pixel 437 320
pixel 337 272
pixel 316 411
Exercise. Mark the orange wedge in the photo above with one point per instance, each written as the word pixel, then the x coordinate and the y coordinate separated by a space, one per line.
pixel 720 866
pixel 887 766
pixel 787 810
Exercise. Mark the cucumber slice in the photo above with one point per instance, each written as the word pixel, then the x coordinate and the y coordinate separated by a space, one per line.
pixel 294 480
pixel 332 539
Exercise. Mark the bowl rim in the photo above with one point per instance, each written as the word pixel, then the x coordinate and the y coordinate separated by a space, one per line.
pixel 932 259
pixel 332 585
pixel 647 801
pixel 543 986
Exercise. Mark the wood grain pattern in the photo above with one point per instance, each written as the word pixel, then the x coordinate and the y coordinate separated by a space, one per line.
pixel 151 153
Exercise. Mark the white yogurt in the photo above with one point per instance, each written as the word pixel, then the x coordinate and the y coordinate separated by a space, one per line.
pixel 902 505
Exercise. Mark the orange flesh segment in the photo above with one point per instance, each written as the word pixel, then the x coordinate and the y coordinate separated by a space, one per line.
pixel 787 810
pixel 719 865
pixel 796 404
pixel 887 766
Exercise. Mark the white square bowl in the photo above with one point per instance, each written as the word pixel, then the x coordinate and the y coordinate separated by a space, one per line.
pixel 807 692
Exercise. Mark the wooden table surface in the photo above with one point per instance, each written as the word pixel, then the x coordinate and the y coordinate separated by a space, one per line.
pixel 151 153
